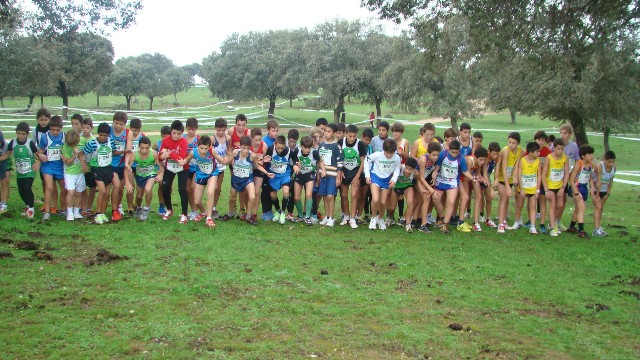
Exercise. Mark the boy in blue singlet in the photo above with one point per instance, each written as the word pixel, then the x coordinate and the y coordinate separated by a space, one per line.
pixel 50 155
pixel 135 126
pixel 123 140
pixel 603 173
pixel 281 160
pixel 244 164
pixel 192 139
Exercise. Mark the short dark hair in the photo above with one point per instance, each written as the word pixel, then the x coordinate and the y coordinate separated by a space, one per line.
pixel 494 147
pixel 76 117
pixel 454 145
pixel 434 146
pixel 220 123
pixel 104 128
pixel 306 141
pixel 397 127
pixel 272 124
pixel 23 126
pixel 429 126
pixel 165 130
pixel 352 129
pixel 322 121
pixel 558 142
pixel 383 124
pixel 333 127
pixel 465 126
pixel 515 136
pixel 341 127
pixel 87 121
pixel 281 140
pixel 609 155
pixel 204 140
pixel 478 135
pixel 532 147
pixel 540 135
pixel 481 152
pixel 389 145
pixel 293 134
pixel 191 123
pixel 439 138
pixel 551 138
pixel 245 140
pixel 255 131
pixel 241 117
pixel 177 125
pixel 585 149
pixel 367 133
pixel 135 123
pixel 120 116
pixel 43 112
pixel 56 121
pixel 411 162
pixel 144 140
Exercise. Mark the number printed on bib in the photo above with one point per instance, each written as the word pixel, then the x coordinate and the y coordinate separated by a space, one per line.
pixel 54 153
pixel 509 171
pixel 326 156
pixel 23 166
pixel 104 159
pixel 205 167
pixel 173 166
pixel 279 167
pixel 556 174
pixel 144 171
pixel 529 181
pixel 241 171
pixel 449 172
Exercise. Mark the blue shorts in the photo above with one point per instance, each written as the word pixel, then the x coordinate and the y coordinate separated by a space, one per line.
pixel 3 169
pixel 119 171
pixel 142 181
pixel 383 183
pixel 279 181
pixel 48 168
pixel 444 187
pixel 327 186
pixel 204 180
pixel 583 189
pixel 239 184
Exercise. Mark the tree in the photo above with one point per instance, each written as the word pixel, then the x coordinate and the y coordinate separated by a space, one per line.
pixel 380 54
pixel 52 18
pixel 129 78
pixel 557 40
pixel 179 79
pixel 85 60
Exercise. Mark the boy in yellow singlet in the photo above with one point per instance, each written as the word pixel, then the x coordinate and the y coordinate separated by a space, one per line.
pixel 556 176
pixel 530 174
pixel 509 157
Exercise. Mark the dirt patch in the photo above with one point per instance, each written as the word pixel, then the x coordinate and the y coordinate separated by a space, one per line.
pixel 439 301
pixel 6 241
pixel 7 215
pixel 41 255
pixel 631 293
pixel 104 257
pixel 615 226
pixel 623 233
pixel 27 245
pixel 35 234
pixel 324 272
pixel 456 327
pixel 598 307
pixel 393 266
pixel 406 284
pixel 4 255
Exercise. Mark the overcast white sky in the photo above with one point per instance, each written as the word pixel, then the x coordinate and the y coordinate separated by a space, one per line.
pixel 186 31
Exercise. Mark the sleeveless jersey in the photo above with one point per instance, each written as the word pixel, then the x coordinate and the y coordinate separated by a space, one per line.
pixel 607 177
pixel 429 166
pixel 103 155
pixel 235 138
pixel 529 177
pixel 221 149
pixel 280 163
pixel 192 145
pixel 556 172
pixel 490 167
pixel 404 182
pixel 466 150
pixel 584 175
pixel 259 150
pixel 403 147
pixel 146 167
pixel 242 167
pixel 308 162
pixel 351 157
pixel 135 145
pixel 54 148
pixel 511 163
pixel 421 148
pixel 24 159
pixel 449 170
pixel 120 142
pixel 206 165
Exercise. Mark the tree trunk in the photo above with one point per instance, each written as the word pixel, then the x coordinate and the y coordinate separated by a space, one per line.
pixel 378 100
pixel 1 101
pixel 175 97
pixel 454 122
pixel 513 116
pixel 30 104
pixel 339 109
pixel 272 107
pixel 606 139
pixel 151 102
pixel 65 99
pixel 41 101
pixel 97 100
pixel 291 102
pixel 128 97
pixel 579 130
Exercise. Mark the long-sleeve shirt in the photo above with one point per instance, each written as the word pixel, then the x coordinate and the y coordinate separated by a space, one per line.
pixel 382 166
pixel 177 151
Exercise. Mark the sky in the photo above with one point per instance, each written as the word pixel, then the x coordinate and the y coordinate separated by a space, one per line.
pixel 187 31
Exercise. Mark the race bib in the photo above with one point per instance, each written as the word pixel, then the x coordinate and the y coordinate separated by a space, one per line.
pixel 205 167
pixel 326 156
pixel 278 167
pixel 54 153
pixel 529 181
pixel 350 164
pixel 104 159
pixel 387 165
pixel 556 175
pixel 583 177
pixel 119 146
pixel 449 172
pixel 509 171
pixel 173 166
pixel 145 171
pixel 23 166
pixel 241 171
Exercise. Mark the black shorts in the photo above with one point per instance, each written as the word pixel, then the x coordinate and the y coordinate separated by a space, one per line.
pixel 603 194
pixel 528 195
pixel 90 180
pixel 363 180
pixel 119 171
pixel 103 174
pixel 568 191
pixel 502 182
pixel 541 191
pixel 347 180
pixel 191 175
pixel 400 191
pixel 258 173
pixel 554 190
pixel 302 179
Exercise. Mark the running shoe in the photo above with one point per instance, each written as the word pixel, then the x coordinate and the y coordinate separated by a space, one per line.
pixel 477 227
pixel 167 214
pixel 353 223
pixel 210 223
pixel 183 219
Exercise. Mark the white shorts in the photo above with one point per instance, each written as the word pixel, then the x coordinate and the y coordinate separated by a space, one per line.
pixel 74 182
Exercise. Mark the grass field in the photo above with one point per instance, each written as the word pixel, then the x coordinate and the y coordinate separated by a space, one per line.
pixel 290 291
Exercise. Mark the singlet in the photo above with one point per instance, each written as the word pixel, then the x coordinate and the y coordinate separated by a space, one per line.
pixel 473 170
pixel 351 155
pixel 529 177
pixel 403 148
pixel 582 179
pixel 308 162
pixel 428 166
pixel 259 150
pixel 450 169
pixel 103 154
pixel 24 159
pixel 242 167
pixel 135 145
pixel 146 167
pixel 556 172
pixel 490 166
pixel 235 138
pixel 193 165
pixel 120 142
pixel 280 163
pixel 404 182
pixel 205 165
pixel 607 177
pixel 221 149
pixel 511 163
pixel 54 148
pixel 421 149
pixel 466 150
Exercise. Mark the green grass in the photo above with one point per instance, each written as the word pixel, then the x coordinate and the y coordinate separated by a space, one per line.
pixel 257 292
